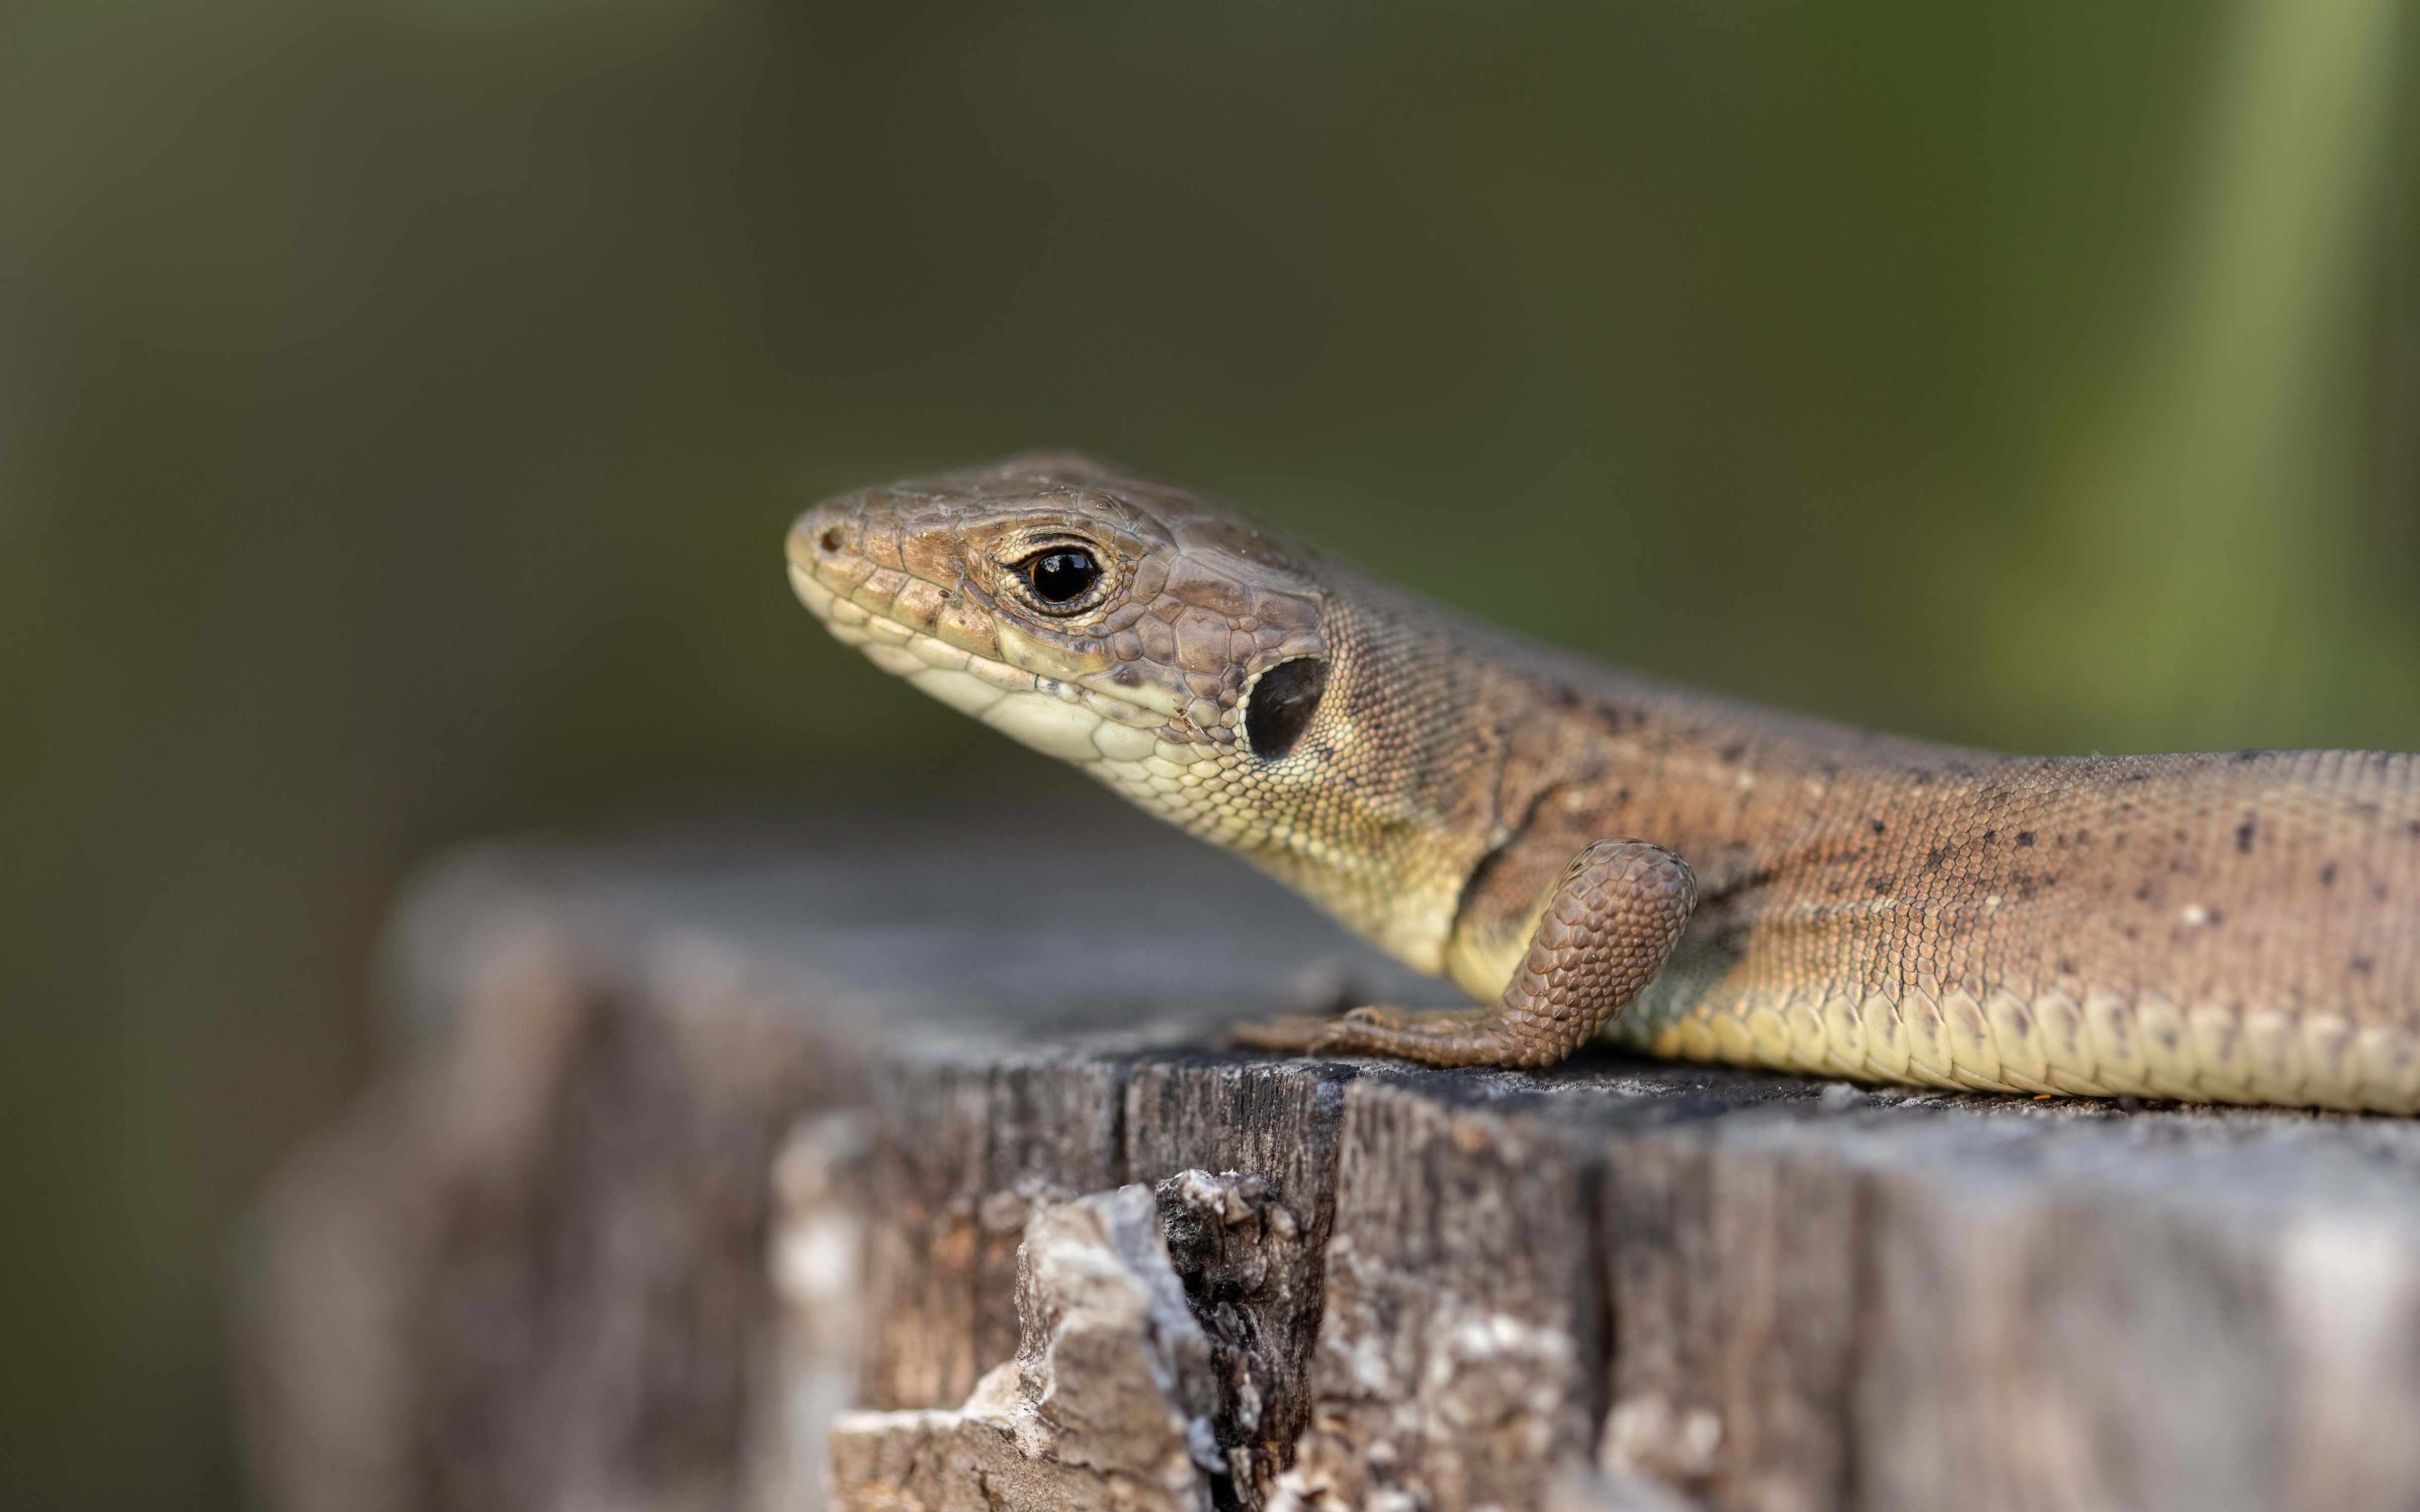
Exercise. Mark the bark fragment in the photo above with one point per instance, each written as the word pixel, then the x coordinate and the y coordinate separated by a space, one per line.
pixel 1106 1405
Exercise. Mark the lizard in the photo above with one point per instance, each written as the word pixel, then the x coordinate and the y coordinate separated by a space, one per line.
pixel 1587 851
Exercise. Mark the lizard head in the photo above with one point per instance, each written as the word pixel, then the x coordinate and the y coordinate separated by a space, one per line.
pixel 1216 674
pixel 1168 644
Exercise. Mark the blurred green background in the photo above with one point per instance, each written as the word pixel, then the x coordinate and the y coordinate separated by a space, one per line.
pixel 401 403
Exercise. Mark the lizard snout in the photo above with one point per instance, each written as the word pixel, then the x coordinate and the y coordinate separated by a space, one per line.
pixel 820 534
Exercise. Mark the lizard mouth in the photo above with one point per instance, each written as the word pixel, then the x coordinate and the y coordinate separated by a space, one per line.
pixel 963 660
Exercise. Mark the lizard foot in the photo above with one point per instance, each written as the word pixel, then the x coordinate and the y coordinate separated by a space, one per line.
pixel 1607 927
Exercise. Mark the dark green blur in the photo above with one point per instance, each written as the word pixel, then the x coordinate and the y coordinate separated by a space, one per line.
pixel 402 404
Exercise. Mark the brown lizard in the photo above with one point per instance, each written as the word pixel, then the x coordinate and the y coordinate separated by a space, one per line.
pixel 1577 846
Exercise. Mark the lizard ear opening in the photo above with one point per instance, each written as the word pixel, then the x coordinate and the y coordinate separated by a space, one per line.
pixel 1280 705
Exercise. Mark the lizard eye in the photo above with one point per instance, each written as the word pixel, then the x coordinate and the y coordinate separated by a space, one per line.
pixel 1063 574
pixel 1280 703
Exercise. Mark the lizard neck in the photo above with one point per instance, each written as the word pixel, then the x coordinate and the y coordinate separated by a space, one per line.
pixel 1496 759
pixel 1400 804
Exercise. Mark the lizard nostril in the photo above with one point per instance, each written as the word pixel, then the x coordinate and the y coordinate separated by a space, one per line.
pixel 831 539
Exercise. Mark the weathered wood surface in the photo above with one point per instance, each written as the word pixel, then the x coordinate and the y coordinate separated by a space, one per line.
pixel 686 1143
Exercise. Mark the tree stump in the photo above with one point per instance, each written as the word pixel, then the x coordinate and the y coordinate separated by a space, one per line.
pixel 688 1144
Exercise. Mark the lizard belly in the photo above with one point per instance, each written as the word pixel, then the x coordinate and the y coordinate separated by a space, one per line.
pixel 2107 1043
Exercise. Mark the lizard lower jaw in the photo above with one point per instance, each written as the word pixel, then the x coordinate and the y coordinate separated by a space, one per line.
pixel 1059 717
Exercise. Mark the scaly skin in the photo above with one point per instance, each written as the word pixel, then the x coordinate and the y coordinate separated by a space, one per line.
pixel 2240 927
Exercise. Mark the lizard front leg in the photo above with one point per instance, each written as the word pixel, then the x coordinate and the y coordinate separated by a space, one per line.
pixel 1607 925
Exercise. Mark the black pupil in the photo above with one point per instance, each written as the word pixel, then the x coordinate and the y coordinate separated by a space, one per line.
pixel 1062 575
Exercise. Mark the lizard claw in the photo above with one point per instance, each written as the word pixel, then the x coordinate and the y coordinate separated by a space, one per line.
pixel 1297 1032
pixel 1444 1037
pixel 1354 1029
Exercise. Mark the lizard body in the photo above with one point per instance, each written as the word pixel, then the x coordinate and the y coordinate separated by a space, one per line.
pixel 1575 843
